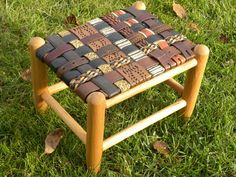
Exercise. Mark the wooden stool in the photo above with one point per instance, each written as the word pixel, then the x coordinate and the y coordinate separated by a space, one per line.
pixel 110 59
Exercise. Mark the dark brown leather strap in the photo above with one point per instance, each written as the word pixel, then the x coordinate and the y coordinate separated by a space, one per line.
pixel 71 65
pixel 161 28
pixel 113 76
pixel 92 37
pixel 135 37
pixel 119 26
pixel 147 62
pixel 85 89
pixel 57 52
pixel 165 56
pixel 140 15
pixel 186 49
pixel 106 50
pixel 151 23
pixel 110 19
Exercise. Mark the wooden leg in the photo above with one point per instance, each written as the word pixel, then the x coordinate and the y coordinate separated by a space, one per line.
pixel 39 75
pixel 193 80
pixel 95 130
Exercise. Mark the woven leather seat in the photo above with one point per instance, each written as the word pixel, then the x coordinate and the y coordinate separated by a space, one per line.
pixel 114 53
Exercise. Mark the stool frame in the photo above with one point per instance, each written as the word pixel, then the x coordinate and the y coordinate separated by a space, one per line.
pixel 97 103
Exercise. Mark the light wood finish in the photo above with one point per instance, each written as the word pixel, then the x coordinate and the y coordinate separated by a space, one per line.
pixel 38 75
pixel 65 116
pixel 175 85
pixel 95 130
pixel 57 87
pixel 150 83
pixel 131 130
pixel 139 5
pixel 194 79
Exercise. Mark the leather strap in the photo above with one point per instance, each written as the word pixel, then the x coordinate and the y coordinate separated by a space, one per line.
pixel 147 62
pixel 84 30
pixel 140 15
pixel 134 73
pixel 95 45
pixel 92 37
pixel 71 65
pixel 186 49
pixel 109 49
pixel 43 50
pixel 161 28
pixel 57 52
pixel 119 26
pixel 164 56
pixel 85 89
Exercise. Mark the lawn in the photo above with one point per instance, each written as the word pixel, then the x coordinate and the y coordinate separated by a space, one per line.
pixel 204 146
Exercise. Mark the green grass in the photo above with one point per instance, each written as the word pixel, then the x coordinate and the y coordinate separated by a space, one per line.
pixel 205 146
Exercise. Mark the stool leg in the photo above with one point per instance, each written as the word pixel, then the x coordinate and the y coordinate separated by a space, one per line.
pixel 38 75
pixel 193 80
pixel 95 130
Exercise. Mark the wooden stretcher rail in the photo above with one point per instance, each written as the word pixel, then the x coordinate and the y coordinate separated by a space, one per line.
pixel 131 130
pixel 175 85
pixel 65 116
pixel 57 87
pixel 150 83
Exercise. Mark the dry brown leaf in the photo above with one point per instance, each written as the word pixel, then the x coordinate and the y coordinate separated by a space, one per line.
pixel 224 38
pixel 194 27
pixel 179 10
pixel 52 140
pixel 26 74
pixel 71 20
pixel 161 148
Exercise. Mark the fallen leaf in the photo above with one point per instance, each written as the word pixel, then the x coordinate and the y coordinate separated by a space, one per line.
pixel 71 20
pixel 26 74
pixel 224 38
pixel 52 140
pixel 194 27
pixel 161 148
pixel 179 10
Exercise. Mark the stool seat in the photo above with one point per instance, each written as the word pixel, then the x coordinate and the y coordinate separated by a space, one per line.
pixel 114 53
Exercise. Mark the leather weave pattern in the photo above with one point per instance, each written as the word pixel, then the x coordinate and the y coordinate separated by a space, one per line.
pixel 114 53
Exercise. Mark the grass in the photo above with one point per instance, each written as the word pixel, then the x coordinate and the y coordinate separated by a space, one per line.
pixel 205 146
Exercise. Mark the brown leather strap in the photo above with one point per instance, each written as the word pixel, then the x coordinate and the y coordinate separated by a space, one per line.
pixel 110 19
pixel 57 52
pixel 91 38
pixel 119 26
pixel 165 56
pixel 161 28
pixel 114 56
pixel 83 31
pixel 106 50
pixel 147 62
pixel 71 65
pixel 95 45
pixel 135 37
pixel 134 73
pixel 85 89
pixel 113 76
pixel 186 49
pixel 140 15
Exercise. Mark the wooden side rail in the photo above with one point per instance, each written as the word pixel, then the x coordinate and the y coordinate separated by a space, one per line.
pixel 150 83
pixel 170 82
pixel 131 130
pixel 65 116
